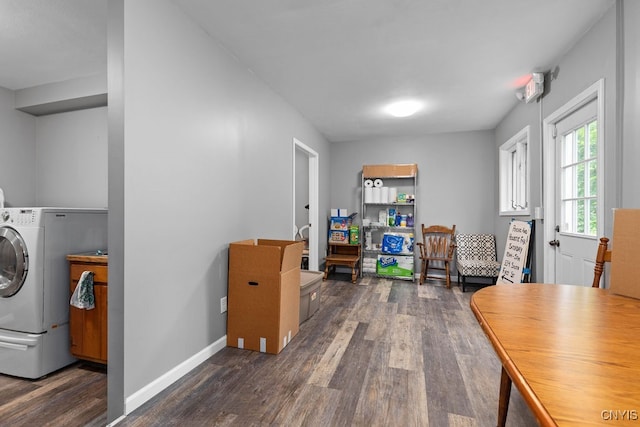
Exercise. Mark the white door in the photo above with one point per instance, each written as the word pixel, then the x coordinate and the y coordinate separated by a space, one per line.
pixel 312 200
pixel 576 195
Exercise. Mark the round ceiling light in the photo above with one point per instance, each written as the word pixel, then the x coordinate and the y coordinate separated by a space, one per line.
pixel 404 108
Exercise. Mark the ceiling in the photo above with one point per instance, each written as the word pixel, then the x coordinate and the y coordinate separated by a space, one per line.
pixel 337 61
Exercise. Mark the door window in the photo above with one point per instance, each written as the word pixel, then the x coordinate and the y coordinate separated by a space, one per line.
pixel 579 178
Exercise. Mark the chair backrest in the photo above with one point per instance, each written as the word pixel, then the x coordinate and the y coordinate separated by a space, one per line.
pixel 438 242
pixel 476 247
pixel 603 255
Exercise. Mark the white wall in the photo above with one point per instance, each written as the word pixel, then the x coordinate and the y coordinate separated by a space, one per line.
pixel 205 155
pixel 71 159
pixel 17 153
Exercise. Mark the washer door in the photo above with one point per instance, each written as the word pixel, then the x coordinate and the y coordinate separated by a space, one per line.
pixel 14 262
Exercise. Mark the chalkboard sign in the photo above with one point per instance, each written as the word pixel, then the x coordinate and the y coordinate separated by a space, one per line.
pixel 516 259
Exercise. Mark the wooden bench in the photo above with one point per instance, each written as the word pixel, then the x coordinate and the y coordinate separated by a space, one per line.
pixel 343 254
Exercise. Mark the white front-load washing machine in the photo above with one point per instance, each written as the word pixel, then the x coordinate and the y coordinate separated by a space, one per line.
pixel 34 283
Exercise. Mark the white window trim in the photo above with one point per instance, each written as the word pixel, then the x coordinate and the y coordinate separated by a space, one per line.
pixel 515 179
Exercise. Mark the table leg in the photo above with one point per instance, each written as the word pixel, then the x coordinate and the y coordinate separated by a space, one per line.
pixel 505 394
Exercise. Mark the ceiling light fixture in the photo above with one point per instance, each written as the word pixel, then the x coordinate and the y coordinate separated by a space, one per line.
pixel 404 108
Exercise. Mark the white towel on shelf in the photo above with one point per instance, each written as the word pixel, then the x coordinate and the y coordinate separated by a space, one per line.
pixel 83 296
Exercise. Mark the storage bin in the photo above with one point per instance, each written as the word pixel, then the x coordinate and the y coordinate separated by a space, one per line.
pixel 310 282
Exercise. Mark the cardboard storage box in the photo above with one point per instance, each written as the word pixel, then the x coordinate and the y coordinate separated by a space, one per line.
pixel 310 282
pixel 340 223
pixel 625 253
pixel 339 236
pixel 393 170
pixel 264 294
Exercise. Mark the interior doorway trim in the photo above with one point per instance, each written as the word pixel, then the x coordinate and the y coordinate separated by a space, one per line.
pixel 593 92
pixel 314 180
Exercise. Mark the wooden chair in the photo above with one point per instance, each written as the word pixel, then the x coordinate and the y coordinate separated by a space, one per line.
pixel 603 255
pixel 436 251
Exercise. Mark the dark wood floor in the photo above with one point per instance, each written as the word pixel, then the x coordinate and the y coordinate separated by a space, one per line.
pixel 377 353
pixel 74 396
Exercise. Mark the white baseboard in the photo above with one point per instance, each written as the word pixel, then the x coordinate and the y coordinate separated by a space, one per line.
pixel 147 392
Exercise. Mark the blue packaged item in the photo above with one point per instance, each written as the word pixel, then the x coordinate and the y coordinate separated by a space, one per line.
pixel 392 244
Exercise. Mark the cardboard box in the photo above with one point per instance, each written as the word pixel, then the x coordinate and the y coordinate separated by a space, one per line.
pixel 264 294
pixel 390 171
pixel 625 253
pixel 339 236
pixel 340 223
pixel 354 235
pixel 339 212
pixel 395 265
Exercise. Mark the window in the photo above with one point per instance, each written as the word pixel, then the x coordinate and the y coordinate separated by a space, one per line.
pixel 514 175
pixel 579 178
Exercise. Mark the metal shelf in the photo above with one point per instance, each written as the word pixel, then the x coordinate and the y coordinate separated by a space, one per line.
pixel 403 176
pixel 379 251
pixel 388 227
pixel 384 276
pixel 388 204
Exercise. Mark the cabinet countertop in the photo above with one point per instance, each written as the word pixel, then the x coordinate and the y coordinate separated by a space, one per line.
pixel 93 257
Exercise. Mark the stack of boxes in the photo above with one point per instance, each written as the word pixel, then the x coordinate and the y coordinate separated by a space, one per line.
pixel 341 228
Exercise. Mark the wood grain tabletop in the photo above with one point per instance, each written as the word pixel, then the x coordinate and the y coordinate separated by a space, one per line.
pixel 573 352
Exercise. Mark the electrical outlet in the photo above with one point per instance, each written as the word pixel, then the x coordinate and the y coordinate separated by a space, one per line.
pixel 223 305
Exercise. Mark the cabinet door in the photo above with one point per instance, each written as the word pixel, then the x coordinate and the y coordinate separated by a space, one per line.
pixel 95 326
pixel 88 328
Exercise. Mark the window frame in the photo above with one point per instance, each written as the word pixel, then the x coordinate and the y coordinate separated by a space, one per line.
pixel 515 182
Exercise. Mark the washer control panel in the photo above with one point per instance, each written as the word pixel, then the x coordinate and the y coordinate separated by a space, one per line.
pixel 18 217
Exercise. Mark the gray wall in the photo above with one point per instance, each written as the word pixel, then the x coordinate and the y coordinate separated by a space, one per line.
pixel 456 176
pixel 17 153
pixel 592 58
pixel 206 154
pixel 629 97
pixel 53 160
pixel 71 159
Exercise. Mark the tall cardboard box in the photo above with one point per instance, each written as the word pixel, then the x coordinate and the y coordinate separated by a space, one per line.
pixel 264 294
pixel 625 253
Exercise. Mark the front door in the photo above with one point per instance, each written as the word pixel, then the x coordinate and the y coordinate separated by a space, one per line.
pixel 576 169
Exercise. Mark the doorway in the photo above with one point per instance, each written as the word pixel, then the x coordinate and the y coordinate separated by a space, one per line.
pixel 305 163
pixel 574 183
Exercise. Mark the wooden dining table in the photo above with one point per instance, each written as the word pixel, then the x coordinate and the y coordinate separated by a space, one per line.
pixel 573 352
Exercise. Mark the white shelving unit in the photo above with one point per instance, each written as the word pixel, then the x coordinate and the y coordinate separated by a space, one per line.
pixel 402 178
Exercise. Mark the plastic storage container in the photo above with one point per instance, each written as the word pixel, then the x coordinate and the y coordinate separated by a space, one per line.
pixel 310 282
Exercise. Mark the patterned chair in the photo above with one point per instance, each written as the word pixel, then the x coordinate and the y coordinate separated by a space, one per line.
pixel 476 257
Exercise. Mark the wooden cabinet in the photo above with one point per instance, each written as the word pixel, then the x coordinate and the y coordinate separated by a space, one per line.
pixel 88 328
